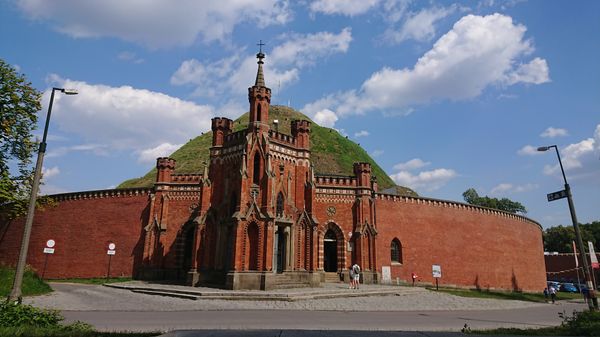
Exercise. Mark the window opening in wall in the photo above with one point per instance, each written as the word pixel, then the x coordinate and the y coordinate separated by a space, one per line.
pixel 279 211
pixel 258 112
pixel 256 173
pixel 396 251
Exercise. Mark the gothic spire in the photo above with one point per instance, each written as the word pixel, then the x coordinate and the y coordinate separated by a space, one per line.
pixel 260 78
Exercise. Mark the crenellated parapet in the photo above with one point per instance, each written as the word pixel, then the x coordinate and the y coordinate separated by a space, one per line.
pixel 164 169
pixel 282 138
pixel 301 131
pixel 221 128
pixel 335 181
pixel 453 204
pixel 187 178
pixel 102 194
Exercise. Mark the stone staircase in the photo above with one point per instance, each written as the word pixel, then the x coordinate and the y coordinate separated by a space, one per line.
pixel 283 281
pixel 332 277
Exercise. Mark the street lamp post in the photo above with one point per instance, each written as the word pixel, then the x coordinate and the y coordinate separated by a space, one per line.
pixel 593 303
pixel 15 294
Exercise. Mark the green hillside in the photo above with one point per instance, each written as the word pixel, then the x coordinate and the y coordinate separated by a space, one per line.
pixel 331 153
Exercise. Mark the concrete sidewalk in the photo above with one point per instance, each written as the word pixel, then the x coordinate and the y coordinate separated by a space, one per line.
pixel 326 291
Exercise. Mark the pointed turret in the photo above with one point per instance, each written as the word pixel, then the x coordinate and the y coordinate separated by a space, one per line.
pixel 259 97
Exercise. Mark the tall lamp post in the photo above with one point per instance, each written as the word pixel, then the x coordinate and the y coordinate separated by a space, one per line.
pixel 593 303
pixel 15 294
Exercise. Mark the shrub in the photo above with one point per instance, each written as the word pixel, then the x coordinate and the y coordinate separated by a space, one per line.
pixel 584 323
pixel 18 315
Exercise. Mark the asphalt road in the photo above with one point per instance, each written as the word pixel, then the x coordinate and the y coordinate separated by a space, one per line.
pixel 322 320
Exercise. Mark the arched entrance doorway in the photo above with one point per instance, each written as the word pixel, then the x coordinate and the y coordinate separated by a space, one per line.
pixel 330 255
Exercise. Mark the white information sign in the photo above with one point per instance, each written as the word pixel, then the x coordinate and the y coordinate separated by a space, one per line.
pixel 386 274
pixel 436 270
pixel 48 250
pixel 111 252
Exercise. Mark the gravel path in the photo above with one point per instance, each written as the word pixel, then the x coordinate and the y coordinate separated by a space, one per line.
pixel 78 297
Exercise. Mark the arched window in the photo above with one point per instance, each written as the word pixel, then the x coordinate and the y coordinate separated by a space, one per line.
pixel 279 211
pixel 252 253
pixel 256 173
pixel 396 251
pixel 258 112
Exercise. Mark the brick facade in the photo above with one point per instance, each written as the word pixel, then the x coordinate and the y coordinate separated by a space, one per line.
pixel 259 217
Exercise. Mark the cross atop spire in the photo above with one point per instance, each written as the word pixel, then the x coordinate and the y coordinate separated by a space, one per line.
pixel 260 78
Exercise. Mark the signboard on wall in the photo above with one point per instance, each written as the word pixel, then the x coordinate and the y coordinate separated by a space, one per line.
pixel 386 274
pixel 436 270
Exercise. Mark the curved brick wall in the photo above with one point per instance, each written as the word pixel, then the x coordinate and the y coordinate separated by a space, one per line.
pixel 475 247
pixel 82 224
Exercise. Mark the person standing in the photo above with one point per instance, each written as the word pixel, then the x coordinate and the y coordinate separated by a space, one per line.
pixel 552 291
pixel 546 293
pixel 356 271
pixel 351 272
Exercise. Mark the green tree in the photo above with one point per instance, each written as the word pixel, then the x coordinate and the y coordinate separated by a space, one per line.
pixel 560 238
pixel 19 104
pixel 472 197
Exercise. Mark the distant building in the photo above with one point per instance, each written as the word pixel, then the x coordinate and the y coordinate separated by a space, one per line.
pixel 259 217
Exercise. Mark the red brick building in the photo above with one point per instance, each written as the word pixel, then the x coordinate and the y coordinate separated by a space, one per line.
pixel 259 217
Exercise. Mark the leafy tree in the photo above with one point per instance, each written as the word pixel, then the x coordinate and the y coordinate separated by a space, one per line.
pixel 560 238
pixel 19 104
pixel 472 197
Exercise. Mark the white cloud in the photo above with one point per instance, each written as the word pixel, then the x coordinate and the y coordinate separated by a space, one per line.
pixel 159 23
pixel 580 160
pixel 97 149
pixel 125 118
pixel 343 7
pixel 361 133
pixel 419 26
pixel 478 52
pixel 511 188
pixel 529 150
pixel 426 180
pixel 554 132
pixel 326 118
pixel 48 173
pixel 376 153
pixel 412 164
pixel 534 72
pixel 129 57
pixel 162 150
pixel 282 66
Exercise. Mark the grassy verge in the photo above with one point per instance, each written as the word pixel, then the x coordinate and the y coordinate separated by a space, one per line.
pixel 519 296
pixel 61 332
pixel 96 280
pixel 586 323
pixel 32 283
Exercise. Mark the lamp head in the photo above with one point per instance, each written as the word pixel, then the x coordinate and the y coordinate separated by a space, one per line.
pixel 543 148
pixel 70 91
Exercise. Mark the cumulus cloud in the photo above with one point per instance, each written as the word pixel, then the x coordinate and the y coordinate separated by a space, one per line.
pixel 574 156
pixel 412 164
pixel 326 118
pixel 361 133
pixel 511 188
pixel 376 153
pixel 282 66
pixel 162 150
pixel 342 7
pixel 478 52
pixel 419 26
pixel 48 173
pixel 157 23
pixel 129 56
pixel 554 132
pixel 426 180
pixel 125 118
pixel 529 150
pixel 97 149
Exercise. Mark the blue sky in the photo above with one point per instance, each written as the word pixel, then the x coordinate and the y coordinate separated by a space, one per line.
pixel 445 95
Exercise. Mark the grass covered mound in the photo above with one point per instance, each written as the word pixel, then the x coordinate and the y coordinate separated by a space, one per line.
pixel 32 283
pixel 331 153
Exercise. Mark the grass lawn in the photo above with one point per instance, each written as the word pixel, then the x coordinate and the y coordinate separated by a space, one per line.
pixel 32 283
pixel 59 332
pixel 531 297
pixel 96 280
